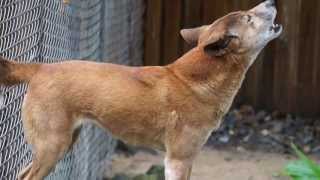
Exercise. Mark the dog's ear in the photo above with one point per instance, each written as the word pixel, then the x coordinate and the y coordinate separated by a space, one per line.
pixel 191 36
pixel 221 45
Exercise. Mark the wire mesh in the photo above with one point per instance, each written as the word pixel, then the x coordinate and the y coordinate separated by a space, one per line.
pixel 49 31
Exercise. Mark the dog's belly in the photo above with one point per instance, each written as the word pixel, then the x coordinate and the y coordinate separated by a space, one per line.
pixel 138 134
pixel 140 128
pixel 139 139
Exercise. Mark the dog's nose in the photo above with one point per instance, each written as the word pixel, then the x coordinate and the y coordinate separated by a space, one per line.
pixel 270 3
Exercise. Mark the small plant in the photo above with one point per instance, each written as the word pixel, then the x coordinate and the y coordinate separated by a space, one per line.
pixel 302 169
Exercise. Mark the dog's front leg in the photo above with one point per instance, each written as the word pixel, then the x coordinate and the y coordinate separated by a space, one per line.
pixel 177 169
pixel 181 150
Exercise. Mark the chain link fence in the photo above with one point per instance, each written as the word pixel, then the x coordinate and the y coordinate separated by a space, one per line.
pixel 48 31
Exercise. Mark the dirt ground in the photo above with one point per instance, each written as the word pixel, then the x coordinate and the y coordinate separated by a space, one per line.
pixel 237 164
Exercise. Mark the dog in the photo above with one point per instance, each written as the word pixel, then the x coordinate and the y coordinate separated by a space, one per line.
pixel 173 108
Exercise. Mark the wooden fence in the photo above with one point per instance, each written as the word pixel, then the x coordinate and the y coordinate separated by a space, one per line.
pixel 287 75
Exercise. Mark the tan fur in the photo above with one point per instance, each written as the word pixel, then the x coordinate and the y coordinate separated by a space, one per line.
pixel 172 108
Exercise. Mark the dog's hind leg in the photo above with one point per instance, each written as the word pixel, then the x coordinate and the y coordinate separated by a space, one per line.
pixel 24 172
pixel 47 152
pixel 49 132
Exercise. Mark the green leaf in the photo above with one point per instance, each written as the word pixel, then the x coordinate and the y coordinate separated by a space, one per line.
pixel 311 164
pixel 303 169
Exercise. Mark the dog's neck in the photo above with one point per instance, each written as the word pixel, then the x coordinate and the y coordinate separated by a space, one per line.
pixel 212 79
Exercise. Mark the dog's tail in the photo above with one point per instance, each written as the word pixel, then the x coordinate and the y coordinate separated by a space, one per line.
pixel 12 73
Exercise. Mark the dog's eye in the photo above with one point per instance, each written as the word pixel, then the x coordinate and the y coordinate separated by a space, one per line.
pixel 248 18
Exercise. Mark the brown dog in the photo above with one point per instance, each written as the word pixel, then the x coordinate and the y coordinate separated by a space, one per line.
pixel 172 108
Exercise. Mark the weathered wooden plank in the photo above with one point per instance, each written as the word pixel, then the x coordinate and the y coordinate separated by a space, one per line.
pixel 172 42
pixel 152 42
pixel 286 57
pixel 306 61
pixel 265 96
pixel 212 10
pixel 316 58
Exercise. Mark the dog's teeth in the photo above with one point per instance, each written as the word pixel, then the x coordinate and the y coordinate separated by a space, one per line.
pixel 275 26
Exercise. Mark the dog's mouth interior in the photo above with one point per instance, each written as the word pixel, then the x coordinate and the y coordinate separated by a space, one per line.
pixel 275 28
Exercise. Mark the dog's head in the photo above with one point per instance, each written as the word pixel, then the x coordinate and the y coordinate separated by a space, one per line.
pixel 239 33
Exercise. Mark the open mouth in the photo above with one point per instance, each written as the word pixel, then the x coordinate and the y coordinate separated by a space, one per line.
pixel 276 28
